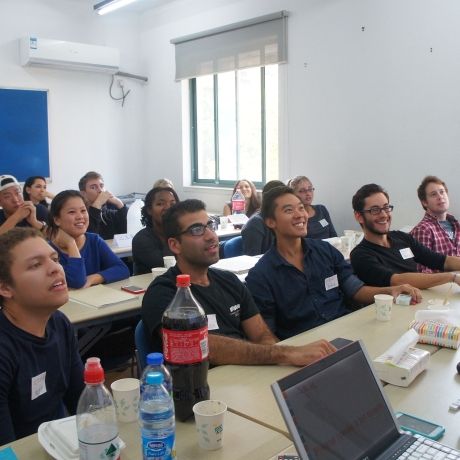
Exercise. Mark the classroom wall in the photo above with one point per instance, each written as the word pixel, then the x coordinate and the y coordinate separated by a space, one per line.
pixel 357 106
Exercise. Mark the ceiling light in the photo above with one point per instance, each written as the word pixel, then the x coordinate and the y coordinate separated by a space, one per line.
pixel 106 6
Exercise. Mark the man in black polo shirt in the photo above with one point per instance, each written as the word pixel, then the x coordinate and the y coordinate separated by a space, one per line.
pixel 238 334
pixel 15 211
pixel 387 257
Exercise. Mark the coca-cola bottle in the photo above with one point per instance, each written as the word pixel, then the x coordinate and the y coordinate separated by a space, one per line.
pixel 185 348
pixel 238 202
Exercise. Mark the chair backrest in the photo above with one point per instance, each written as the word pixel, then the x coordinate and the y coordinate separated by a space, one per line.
pixel 233 247
pixel 143 345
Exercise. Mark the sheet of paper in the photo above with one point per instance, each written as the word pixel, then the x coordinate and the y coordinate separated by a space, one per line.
pixel 100 296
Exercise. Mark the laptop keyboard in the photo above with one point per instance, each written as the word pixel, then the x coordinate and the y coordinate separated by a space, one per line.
pixel 426 449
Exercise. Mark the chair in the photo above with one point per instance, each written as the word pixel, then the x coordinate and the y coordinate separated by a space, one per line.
pixel 143 346
pixel 233 247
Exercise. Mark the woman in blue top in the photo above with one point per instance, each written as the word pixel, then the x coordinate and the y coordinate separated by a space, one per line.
pixel 86 258
pixel 319 224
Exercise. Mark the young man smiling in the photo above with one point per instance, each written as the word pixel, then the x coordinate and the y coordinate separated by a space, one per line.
pixel 438 230
pixel 238 334
pixel 391 257
pixel 41 372
pixel 301 283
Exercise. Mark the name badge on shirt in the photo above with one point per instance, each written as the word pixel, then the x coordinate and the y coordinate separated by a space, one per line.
pixel 331 282
pixel 406 253
pixel 212 323
pixel 324 222
pixel 38 385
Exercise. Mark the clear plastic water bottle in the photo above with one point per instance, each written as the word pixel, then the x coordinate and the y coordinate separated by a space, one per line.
pixel 238 202
pixel 96 418
pixel 156 419
pixel 155 364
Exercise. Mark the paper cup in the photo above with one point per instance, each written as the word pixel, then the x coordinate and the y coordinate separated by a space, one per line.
pixel 169 261
pixel 383 306
pixel 223 222
pixel 126 396
pixel 209 418
pixel 157 271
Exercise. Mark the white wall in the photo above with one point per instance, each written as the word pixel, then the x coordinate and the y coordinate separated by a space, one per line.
pixel 357 106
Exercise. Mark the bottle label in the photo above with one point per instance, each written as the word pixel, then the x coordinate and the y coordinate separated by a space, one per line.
pixel 160 448
pixel 238 205
pixel 185 347
pixel 104 450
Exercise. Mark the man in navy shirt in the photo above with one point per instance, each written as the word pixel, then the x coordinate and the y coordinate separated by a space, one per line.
pixel 41 373
pixel 15 211
pixel 301 283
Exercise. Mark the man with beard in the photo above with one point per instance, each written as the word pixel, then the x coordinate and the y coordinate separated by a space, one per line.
pixel 387 257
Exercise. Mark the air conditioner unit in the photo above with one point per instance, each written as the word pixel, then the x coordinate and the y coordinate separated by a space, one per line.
pixel 60 54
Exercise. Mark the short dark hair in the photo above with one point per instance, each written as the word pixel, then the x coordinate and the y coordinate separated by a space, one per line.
pixel 271 185
pixel 421 190
pixel 171 227
pixel 90 175
pixel 268 202
pixel 146 218
pixel 365 191
pixel 8 241
pixel 28 183
pixel 57 204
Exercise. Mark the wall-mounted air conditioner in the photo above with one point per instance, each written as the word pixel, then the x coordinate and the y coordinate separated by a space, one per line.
pixel 68 55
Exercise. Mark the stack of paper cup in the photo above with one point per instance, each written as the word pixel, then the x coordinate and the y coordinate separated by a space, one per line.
pixel 157 271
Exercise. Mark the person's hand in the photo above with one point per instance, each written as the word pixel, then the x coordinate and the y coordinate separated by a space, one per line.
pixel 101 199
pixel 32 215
pixel 307 354
pixel 92 280
pixel 415 293
pixel 115 201
pixel 65 242
pixel 22 212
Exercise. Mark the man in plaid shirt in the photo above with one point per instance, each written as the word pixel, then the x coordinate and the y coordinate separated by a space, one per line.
pixel 438 230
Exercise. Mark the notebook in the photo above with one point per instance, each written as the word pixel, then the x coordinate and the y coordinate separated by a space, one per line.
pixel 335 409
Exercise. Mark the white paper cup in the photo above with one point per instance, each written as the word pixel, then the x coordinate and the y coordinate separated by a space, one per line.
pixel 223 222
pixel 209 418
pixel 126 396
pixel 169 261
pixel 383 306
pixel 157 271
pixel 345 243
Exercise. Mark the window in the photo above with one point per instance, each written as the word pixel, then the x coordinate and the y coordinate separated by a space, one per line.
pixel 234 126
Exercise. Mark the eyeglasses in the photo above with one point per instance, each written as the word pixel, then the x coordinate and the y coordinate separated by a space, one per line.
pixel 199 229
pixel 306 190
pixel 375 210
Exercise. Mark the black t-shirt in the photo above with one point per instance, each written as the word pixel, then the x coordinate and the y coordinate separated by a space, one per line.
pixel 375 265
pixel 226 297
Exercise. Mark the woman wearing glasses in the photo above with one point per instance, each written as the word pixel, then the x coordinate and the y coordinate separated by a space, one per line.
pixel 149 244
pixel 319 222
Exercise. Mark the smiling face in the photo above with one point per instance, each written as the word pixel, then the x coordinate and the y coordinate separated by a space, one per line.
pixel 304 190
pixel 37 191
pixel 245 189
pixel 73 217
pixel 11 199
pixel 162 201
pixel 38 280
pixel 378 224
pixel 290 217
pixel 196 251
pixel 437 199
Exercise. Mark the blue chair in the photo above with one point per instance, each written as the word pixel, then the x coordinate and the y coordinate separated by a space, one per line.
pixel 143 346
pixel 233 247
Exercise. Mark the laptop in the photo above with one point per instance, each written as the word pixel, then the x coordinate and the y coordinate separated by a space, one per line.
pixel 335 409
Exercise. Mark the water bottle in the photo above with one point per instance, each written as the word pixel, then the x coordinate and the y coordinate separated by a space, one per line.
pixel 156 419
pixel 155 364
pixel 238 202
pixel 96 419
pixel 185 348
pixel 133 217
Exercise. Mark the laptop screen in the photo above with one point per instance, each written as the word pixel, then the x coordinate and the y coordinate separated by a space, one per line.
pixel 336 408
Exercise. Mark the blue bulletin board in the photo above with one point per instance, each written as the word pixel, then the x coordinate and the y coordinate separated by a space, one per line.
pixel 24 147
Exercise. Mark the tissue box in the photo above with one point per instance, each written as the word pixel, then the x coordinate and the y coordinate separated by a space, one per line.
pixel 402 374
pixel 436 333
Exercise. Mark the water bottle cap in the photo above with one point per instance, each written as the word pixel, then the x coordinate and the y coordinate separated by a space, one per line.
pixel 154 378
pixel 183 281
pixel 93 371
pixel 155 358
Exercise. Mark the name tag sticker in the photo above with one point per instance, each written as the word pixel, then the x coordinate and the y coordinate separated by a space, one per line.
pixel 38 386
pixel 324 222
pixel 406 253
pixel 212 323
pixel 331 282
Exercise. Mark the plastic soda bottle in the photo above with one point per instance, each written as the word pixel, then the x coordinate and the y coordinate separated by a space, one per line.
pixel 155 364
pixel 96 418
pixel 185 348
pixel 238 202
pixel 156 419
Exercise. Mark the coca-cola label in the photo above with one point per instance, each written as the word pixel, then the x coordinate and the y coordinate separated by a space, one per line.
pixel 238 205
pixel 185 347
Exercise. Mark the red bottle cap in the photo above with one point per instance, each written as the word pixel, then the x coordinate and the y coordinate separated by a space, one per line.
pixel 183 281
pixel 93 371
